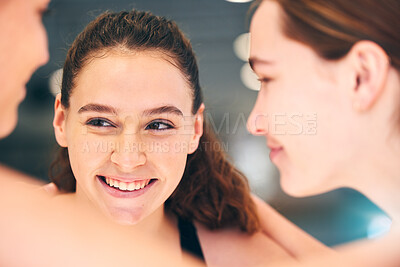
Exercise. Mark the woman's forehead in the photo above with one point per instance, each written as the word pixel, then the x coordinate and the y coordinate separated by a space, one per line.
pixel 124 81
pixel 266 35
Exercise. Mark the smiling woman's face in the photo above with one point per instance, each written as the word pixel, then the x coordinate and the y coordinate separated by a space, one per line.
pixel 128 130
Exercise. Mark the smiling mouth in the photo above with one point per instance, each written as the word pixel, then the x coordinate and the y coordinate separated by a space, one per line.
pixel 124 186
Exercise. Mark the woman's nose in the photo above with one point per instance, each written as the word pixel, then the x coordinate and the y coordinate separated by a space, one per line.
pixel 130 153
pixel 257 123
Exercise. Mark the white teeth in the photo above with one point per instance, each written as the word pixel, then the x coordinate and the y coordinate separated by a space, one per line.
pixel 136 185
pixel 122 185
pixel 131 187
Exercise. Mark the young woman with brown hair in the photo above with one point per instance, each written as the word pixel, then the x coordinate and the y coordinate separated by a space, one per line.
pixel 33 232
pixel 343 65
pixel 339 60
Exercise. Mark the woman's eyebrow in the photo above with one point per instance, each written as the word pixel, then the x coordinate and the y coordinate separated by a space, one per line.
pixel 97 108
pixel 92 107
pixel 161 110
pixel 253 61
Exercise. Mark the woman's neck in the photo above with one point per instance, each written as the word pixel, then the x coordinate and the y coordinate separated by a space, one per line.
pixel 159 228
pixel 379 180
pixel 159 225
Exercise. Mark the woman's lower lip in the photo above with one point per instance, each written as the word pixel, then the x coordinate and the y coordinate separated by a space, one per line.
pixel 273 154
pixel 125 194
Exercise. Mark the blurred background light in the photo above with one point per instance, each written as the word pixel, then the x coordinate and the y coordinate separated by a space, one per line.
pixel 55 81
pixel 241 46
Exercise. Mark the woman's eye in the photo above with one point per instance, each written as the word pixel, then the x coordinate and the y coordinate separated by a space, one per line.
pixel 157 125
pixel 99 123
pixel 264 80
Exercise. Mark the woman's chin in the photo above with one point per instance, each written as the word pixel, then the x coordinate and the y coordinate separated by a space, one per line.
pixel 296 186
pixel 293 192
pixel 125 222
pixel 124 218
pixel 302 186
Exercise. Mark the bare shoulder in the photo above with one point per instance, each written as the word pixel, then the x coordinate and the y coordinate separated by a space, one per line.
pixel 232 247
pixel 15 177
pixel 64 199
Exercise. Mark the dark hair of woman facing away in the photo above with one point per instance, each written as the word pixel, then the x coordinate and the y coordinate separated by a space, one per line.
pixel 212 191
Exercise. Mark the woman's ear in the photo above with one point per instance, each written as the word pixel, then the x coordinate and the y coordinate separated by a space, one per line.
pixel 59 122
pixel 198 129
pixel 371 65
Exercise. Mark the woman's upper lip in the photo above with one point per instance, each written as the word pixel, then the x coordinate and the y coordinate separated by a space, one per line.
pixel 126 179
pixel 274 146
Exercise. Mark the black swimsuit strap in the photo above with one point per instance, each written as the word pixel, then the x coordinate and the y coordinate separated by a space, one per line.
pixel 189 239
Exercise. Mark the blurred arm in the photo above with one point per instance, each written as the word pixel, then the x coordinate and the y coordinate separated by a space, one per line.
pixel 297 242
pixel 367 253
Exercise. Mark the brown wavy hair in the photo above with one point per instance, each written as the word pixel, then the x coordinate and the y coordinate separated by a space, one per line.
pixel 212 191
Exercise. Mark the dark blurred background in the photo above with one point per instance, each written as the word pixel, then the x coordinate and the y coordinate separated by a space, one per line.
pixel 213 26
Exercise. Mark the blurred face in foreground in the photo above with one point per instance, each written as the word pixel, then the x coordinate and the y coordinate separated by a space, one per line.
pixel 23 49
